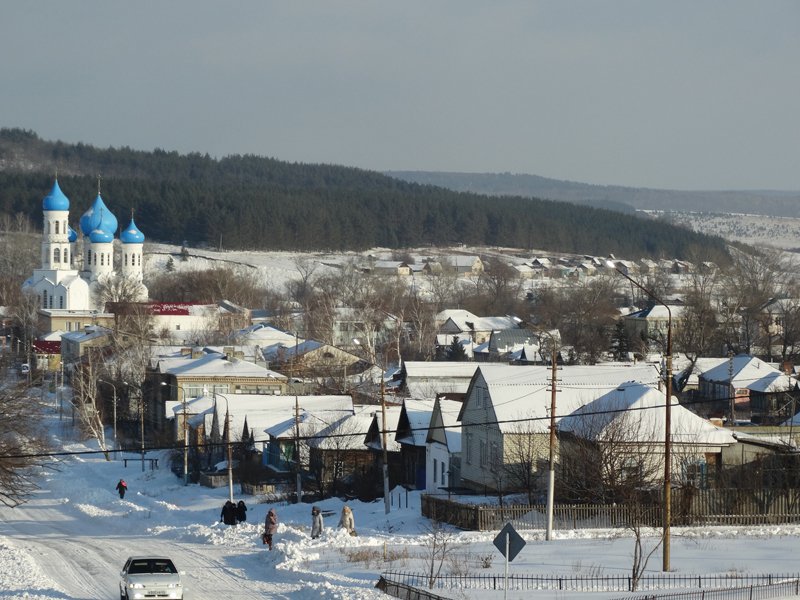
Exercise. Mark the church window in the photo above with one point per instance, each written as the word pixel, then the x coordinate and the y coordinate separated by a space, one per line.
pixel 44 299
pixel 50 301
pixel 56 255
pixel 140 260
pixel 56 224
pixel 66 255
pixel 126 259
pixel 102 259
pixel 89 256
pixel 61 302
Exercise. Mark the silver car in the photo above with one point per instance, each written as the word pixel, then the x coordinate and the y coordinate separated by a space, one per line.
pixel 150 577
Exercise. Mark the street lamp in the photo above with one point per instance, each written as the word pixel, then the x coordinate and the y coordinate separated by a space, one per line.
pixel 185 432
pixel 228 444
pixel 141 418
pixel 115 409
pixel 667 415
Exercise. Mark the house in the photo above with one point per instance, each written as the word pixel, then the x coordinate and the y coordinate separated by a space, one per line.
pixel 47 351
pixel 380 436
pixel 197 374
pixel 652 323
pixel 412 432
pixel 745 387
pixel 443 447
pixel 313 359
pixel 504 342
pixel 471 266
pixel 391 267
pixel 430 379
pixel 466 325
pixel 507 413
pixel 75 344
pixel 339 461
pixel 625 429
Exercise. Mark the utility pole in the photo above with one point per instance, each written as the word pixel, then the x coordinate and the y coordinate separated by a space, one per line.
pixel 298 476
pixel 228 443
pixel 732 394
pixel 551 481
pixel 386 499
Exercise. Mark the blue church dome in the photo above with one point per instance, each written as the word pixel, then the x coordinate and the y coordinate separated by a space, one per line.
pixel 55 200
pixel 73 235
pixel 131 235
pixel 98 236
pixel 98 217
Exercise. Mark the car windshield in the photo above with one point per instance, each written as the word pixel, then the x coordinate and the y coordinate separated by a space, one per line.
pixel 151 566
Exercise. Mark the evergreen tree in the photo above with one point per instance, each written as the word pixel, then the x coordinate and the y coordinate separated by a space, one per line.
pixel 456 351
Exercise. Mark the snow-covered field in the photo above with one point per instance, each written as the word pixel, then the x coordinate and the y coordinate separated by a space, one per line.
pixel 71 539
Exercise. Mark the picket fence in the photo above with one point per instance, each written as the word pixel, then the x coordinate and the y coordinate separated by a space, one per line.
pixel 695 508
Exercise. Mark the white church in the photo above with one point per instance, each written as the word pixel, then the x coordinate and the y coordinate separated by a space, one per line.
pixel 73 268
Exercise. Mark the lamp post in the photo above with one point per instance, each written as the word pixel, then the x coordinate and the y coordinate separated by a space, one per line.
pixel 228 444
pixel 185 432
pixel 667 416
pixel 114 387
pixel 141 419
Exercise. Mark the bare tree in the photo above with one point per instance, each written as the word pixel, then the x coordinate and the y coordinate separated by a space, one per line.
pixel 23 444
pixel 84 401
pixel 525 450
pixel 438 545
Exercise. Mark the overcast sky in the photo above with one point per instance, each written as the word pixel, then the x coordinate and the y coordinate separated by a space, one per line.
pixel 677 94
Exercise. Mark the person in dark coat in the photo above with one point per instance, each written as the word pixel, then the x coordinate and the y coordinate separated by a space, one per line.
pixel 270 527
pixel 122 487
pixel 316 523
pixel 241 511
pixel 228 514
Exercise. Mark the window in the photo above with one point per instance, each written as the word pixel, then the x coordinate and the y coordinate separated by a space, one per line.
pixel 102 259
pixel 338 469
pixel 126 259
pixel 44 299
pixel 57 224
pixel 442 478
pixel 56 255
pixel 468 446
pixel 66 255
pixel 484 453
pixel 434 469
pixel 61 302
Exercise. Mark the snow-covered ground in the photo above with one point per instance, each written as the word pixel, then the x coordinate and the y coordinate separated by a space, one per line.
pixel 71 539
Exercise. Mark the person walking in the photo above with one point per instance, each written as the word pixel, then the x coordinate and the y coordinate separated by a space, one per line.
pixel 270 527
pixel 241 511
pixel 347 522
pixel 316 523
pixel 122 487
pixel 228 514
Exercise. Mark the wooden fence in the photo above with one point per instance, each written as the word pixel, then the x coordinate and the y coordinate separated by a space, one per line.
pixel 689 508
pixel 577 583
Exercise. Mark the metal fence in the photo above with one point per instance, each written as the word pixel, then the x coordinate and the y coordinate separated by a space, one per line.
pixel 405 592
pixel 577 583
pixel 784 589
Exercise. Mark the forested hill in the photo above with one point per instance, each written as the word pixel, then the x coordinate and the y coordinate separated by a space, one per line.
pixel 250 202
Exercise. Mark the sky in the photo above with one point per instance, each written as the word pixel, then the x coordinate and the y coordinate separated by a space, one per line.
pixel 677 95
pixel 70 540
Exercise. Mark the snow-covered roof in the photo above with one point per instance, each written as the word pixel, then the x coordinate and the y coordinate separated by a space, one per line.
pixel 751 373
pixel 449 410
pixel 523 391
pixel 262 412
pixel 376 427
pixel 426 379
pixel 416 416
pixel 643 407
pixel 265 335
pixel 214 365
pixel 347 433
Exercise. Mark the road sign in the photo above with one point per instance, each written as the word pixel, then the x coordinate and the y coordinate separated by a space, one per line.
pixel 514 542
